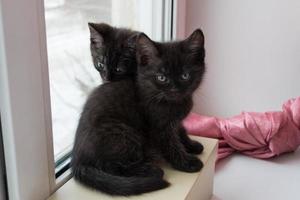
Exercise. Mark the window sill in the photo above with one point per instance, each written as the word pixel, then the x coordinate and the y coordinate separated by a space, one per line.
pixel 188 186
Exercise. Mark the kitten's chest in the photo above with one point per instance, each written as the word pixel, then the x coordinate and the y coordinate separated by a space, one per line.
pixel 164 114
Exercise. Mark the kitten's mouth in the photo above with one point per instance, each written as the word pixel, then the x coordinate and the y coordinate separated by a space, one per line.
pixel 174 96
pixel 105 77
pixel 105 80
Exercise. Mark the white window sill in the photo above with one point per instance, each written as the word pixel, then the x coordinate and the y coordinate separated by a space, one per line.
pixel 188 186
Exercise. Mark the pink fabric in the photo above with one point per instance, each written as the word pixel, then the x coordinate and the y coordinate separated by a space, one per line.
pixel 260 135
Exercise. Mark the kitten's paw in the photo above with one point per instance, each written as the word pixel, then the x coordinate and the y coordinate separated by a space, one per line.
pixel 189 164
pixel 149 170
pixel 194 147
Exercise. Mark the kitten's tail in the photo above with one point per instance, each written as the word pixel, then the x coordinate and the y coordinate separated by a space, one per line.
pixel 117 185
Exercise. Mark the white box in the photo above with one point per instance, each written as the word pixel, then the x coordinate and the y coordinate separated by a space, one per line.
pixel 184 186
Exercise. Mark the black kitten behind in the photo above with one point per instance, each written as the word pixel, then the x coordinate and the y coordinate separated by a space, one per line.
pixel 113 51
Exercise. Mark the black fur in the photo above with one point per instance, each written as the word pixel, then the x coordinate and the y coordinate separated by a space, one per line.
pixel 123 121
pixel 115 48
pixel 113 51
pixel 166 103
pixel 110 143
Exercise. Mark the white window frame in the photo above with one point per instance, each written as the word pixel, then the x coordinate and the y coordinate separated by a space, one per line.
pixel 25 100
pixel 179 19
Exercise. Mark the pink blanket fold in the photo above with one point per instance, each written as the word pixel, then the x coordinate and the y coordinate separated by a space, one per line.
pixel 260 135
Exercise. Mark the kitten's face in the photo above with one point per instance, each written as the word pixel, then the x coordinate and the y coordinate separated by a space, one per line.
pixel 113 51
pixel 170 71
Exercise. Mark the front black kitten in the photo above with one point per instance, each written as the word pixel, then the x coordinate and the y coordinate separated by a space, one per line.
pixel 110 143
pixel 121 119
pixel 168 74
pixel 113 51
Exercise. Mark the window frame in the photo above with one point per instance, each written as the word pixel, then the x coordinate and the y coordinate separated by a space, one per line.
pixel 25 92
pixel 3 188
pixel 25 99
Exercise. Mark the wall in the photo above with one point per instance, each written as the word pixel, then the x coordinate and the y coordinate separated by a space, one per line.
pixel 253 54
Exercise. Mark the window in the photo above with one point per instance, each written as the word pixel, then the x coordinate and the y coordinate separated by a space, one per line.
pixel 71 72
pixel 44 73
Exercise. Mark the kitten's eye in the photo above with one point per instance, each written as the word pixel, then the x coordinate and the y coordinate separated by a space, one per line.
pixel 161 78
pixel 100 66
pixel 119 70
pixel 185 76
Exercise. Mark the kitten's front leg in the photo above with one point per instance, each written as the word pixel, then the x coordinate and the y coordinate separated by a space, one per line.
pixel 190 145
pixel 175 153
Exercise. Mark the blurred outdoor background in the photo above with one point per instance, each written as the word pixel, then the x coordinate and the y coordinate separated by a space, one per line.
pixel 72 75
pixel 71 72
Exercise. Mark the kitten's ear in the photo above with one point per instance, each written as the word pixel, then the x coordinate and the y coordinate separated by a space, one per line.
pixel 99 32
pixel 131 41
pixel 145 49
pixel 195 41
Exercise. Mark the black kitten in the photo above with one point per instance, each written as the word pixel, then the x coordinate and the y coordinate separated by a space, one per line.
pixel 168 74
pixel 120 120
pixel 110 142
pixel 113 51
